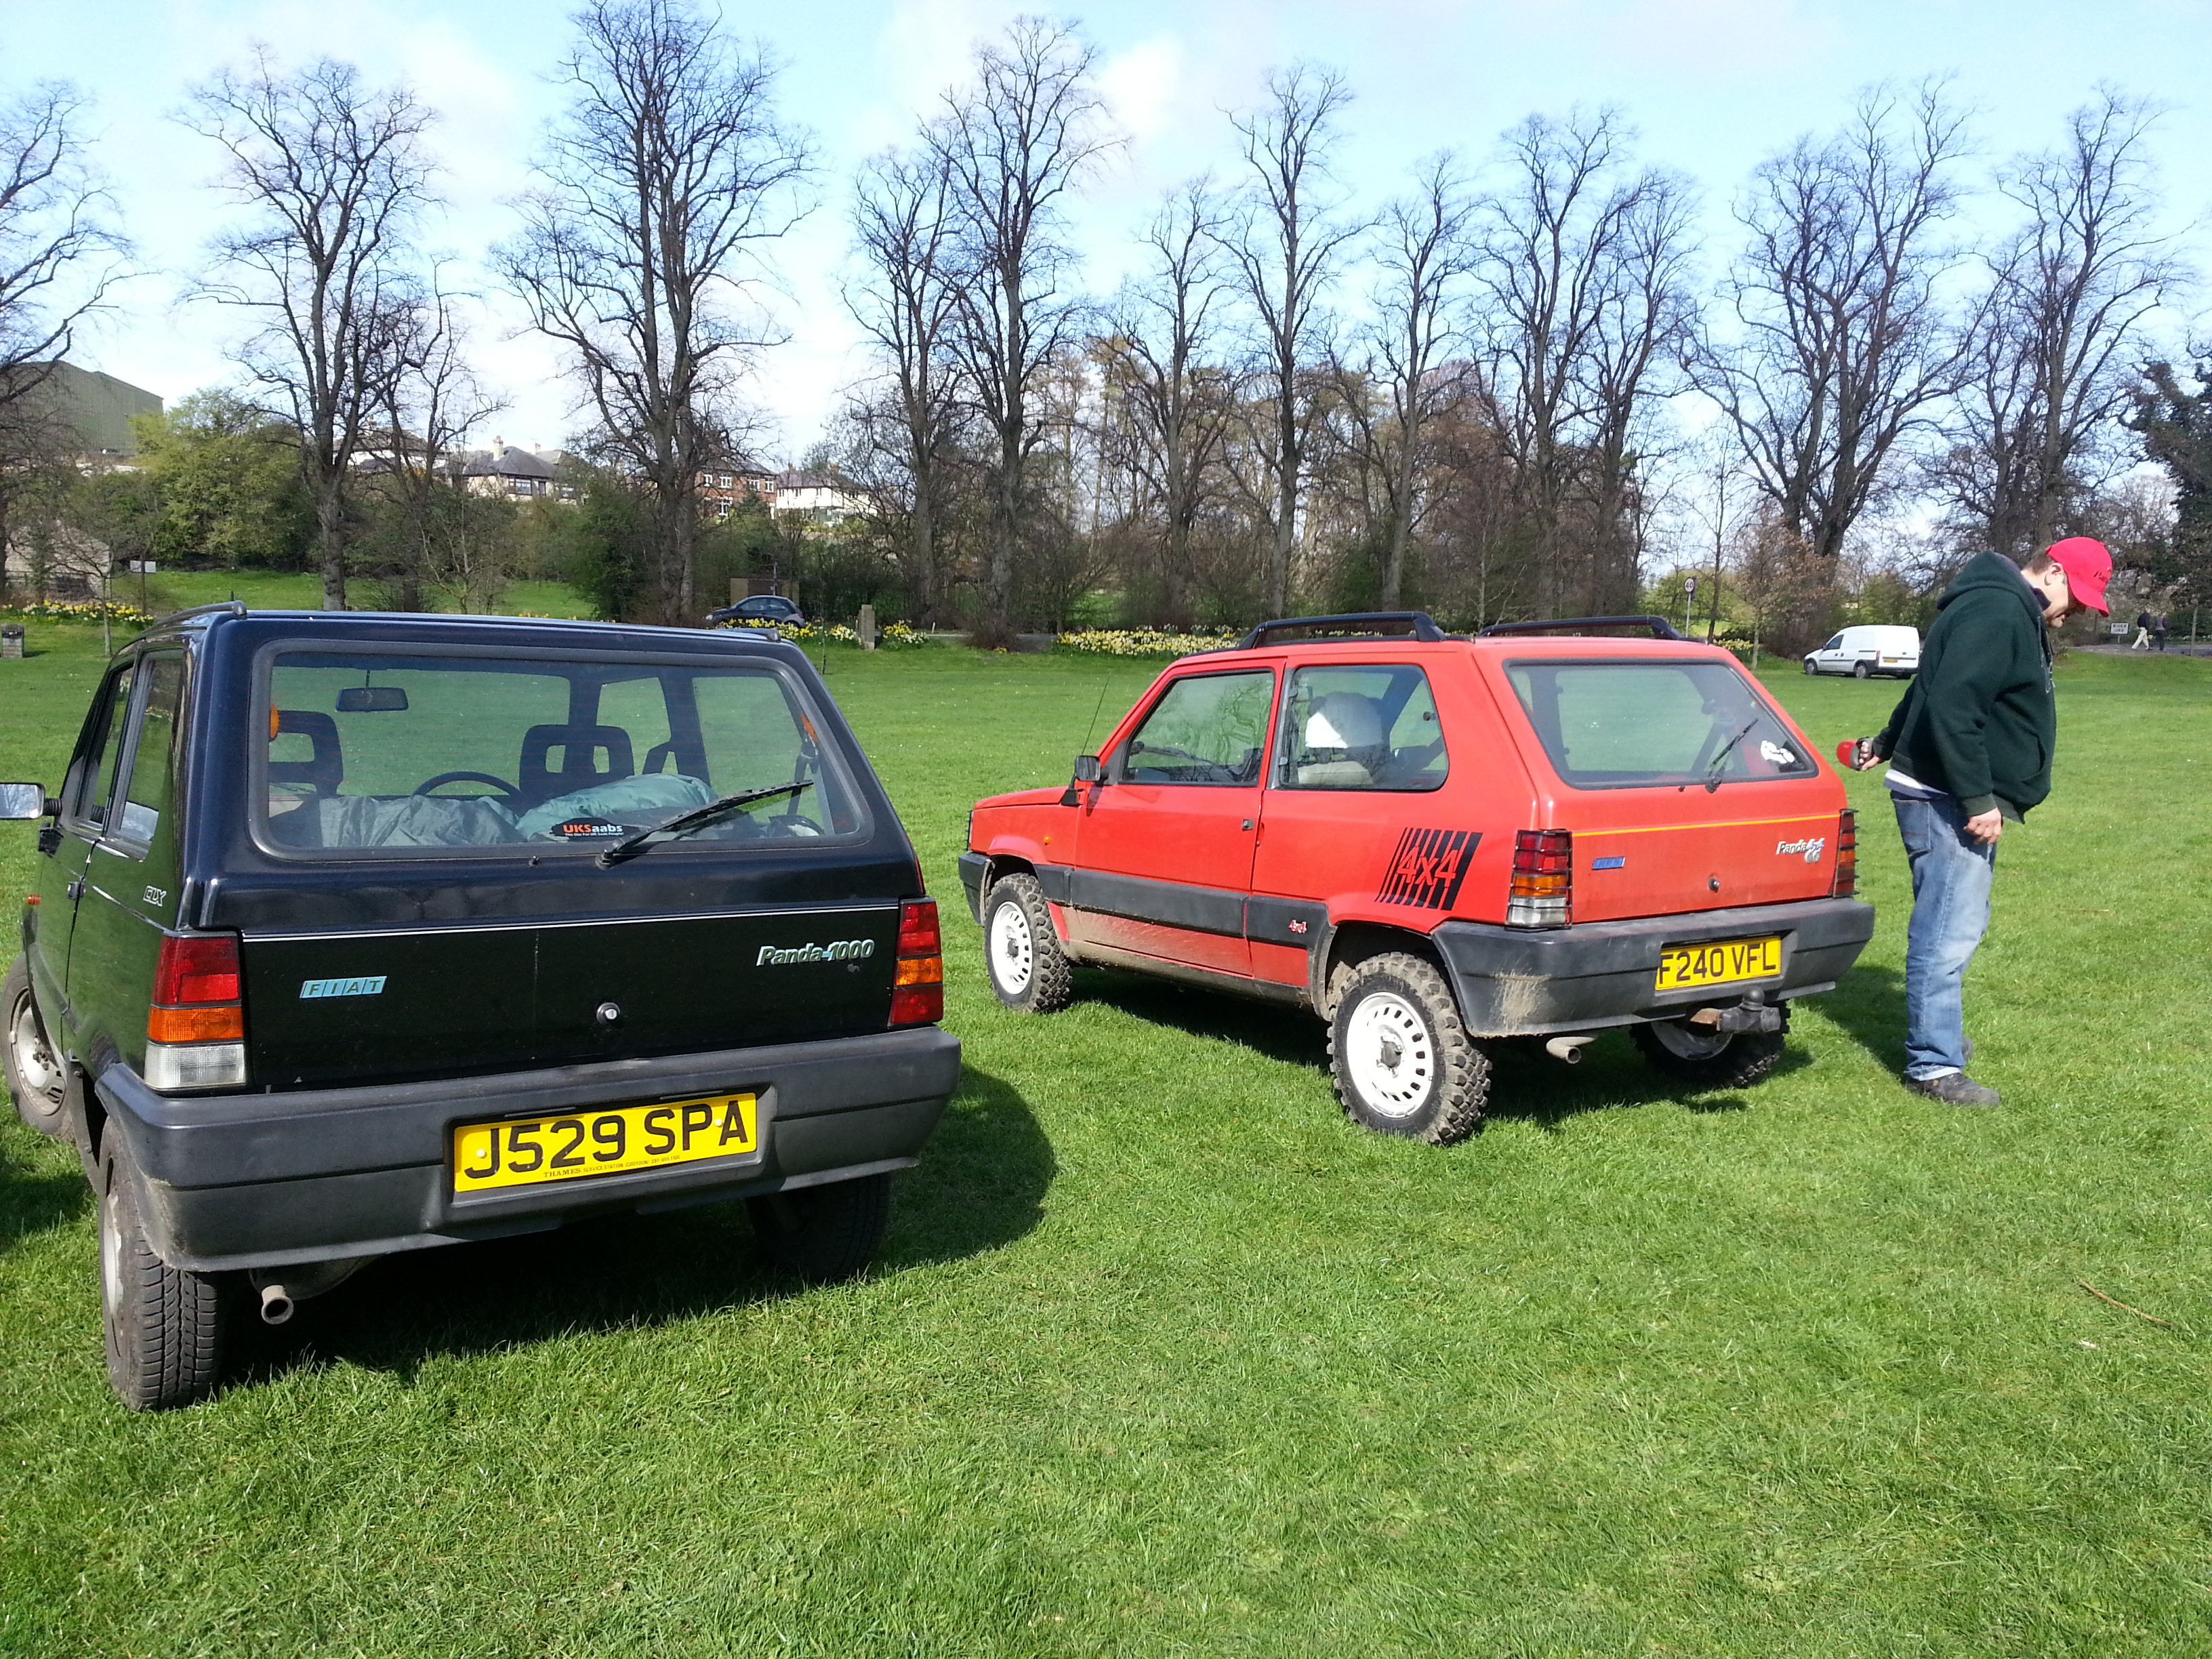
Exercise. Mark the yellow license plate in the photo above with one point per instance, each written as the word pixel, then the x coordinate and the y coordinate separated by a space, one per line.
pixel 604 1140
pixel 1724 961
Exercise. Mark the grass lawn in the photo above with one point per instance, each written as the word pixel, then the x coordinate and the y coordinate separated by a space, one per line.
pixel 1165 1358
pixel 274 590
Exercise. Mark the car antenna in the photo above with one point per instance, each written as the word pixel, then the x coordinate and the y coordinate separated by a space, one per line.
pixel 1104 681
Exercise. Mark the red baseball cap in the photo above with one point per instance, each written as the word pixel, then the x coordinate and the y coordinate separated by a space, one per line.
pixel 2087 566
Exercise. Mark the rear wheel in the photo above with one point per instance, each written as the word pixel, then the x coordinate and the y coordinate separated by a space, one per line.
pixel 824 1234
pixel 165 1325
pixel 1029 970
pixel 34 1072
pixel 1859 671
pixel 1404 1064
pixel 1706 1059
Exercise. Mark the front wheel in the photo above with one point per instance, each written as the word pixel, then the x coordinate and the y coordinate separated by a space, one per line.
pixel 824 1234
pixel 1703 1059
pixel 1029 970
pixel 34 1072
pixel 165 1325
pixel 1809 669
pixel 1403 1062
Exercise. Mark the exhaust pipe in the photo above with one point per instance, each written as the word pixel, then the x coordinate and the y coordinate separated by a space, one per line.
pixel 1569 1048
pixel 280 1298
pixel 277 1305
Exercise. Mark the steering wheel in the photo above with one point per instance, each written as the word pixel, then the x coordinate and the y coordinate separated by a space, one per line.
pixel 443 778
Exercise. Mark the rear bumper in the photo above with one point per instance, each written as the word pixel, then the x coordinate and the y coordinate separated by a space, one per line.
pixel 1513 981
pixel 264 1181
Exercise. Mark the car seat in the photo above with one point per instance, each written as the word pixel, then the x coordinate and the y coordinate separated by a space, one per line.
pixel 579 746
pixel 327 770
pixel 1342 743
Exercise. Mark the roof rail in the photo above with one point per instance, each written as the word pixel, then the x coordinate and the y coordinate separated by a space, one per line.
pixel 1420 625
pixel 1660 627
pixel 233 607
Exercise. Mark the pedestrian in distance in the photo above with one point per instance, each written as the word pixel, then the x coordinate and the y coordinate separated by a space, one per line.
pixel 2141 640
pixel 1968 747
pixel 2158 629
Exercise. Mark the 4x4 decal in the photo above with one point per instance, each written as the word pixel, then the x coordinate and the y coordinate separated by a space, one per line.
pixel 1428 867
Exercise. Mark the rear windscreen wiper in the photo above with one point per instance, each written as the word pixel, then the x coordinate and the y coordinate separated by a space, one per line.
pixel 697 818
pixel 1719 762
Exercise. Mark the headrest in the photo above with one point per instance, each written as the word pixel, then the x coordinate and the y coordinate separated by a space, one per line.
pixel 1343 719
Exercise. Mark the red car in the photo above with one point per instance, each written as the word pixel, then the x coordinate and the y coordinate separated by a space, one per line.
pixel 1432 841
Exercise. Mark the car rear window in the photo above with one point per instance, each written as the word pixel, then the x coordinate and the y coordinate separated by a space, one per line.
pixel 370 752
pixel 1620 725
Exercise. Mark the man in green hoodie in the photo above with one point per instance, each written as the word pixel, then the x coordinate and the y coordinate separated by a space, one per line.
pixel 1969 747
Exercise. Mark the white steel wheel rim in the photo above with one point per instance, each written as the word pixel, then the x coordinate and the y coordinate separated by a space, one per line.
pixel 1687 1042
pixel 111 1254
pixel 1391 1054
pixel 33 1064
pixel 1013 952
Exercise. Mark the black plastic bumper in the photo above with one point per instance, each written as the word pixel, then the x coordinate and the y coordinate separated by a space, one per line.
pixel 264 1181
pixel 1513 982
pixel 974 867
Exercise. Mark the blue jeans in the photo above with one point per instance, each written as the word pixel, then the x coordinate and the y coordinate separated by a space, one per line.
pixel 1951 876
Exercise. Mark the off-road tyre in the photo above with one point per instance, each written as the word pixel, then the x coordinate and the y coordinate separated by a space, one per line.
pixel 826 1234
pixel 1702 1060
pixel 1435 1088
pixel 1029 971
pixel 165 1325
pixel 1861 671
pixel 34 1072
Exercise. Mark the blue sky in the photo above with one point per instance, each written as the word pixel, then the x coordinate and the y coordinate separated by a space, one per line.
pixel 1711 85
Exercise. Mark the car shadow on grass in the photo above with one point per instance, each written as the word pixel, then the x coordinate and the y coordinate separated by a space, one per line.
pixel 1526 1084
pixel 33 1202
pixel 1868 1005
pixel 980 1186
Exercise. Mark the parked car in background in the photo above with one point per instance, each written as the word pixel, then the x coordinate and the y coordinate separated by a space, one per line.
pixel 1431 841
pixel 770 610
pixel 359 934
pixel 1868 650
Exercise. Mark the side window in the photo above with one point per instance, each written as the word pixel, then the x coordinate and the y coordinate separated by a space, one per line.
pixel 153 750
pixel 94 784
pixel 1834 643
pixel 1206 728
pixel 1363 726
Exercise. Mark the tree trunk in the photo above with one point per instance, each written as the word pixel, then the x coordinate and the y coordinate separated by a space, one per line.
pixel 330 541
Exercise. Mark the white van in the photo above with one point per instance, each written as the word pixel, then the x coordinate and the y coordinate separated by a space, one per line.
pixel 1868 650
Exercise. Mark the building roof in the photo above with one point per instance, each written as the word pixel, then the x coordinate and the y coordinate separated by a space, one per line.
pixel 505 462
pixel 100 407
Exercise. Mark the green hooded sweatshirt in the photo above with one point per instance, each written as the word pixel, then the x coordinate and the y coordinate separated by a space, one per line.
pixel 1980 722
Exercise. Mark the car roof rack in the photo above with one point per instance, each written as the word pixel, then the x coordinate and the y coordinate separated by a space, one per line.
pixel 1358 624
pixel 1660 627
pixel 226 607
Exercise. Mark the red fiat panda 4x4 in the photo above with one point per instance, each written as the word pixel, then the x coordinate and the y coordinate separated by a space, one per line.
pixel 1430 841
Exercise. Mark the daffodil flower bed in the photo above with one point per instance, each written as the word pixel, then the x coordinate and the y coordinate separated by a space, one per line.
pixel 1147 642
pixel 79 611
pixel 892 636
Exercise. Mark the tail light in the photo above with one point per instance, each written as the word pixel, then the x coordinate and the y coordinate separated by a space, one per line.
pixel 1543 892
pixel 1847 856
pixel 918 983
pixel 196 1027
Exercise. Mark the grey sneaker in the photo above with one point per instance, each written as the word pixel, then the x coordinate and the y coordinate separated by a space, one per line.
pixel 1952 1089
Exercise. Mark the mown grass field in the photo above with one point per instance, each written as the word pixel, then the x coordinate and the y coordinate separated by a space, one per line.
pixel 1166 1358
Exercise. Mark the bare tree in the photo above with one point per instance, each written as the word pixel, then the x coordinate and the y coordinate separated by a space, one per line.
pixel 1846 347
pixel 2051 367
pixel 1579 286
pixel 334 177
pixel 58 259
pixel 1423 254
pixel 431 403
pixel 1289 241
pixel 1014 144
pixel 639 254
pixel 908 304
pixel 1171 401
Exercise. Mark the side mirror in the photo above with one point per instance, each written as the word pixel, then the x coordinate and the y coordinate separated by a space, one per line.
pixel 21 802
pixel 1087 769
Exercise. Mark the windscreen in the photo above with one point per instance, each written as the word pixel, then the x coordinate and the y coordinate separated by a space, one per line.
pixel 1636 724
pixel 469 754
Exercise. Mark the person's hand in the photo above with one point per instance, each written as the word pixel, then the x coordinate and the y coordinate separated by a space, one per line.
pixel 1986 827
pixel 1864 758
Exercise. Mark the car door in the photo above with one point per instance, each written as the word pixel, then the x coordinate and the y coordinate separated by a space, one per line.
pixel 129 883
pixel 85 792
pixel 1830 657
pixel 1163 847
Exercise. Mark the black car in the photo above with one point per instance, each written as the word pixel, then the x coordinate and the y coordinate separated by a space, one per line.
pixel 357 934
pixel 769 610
